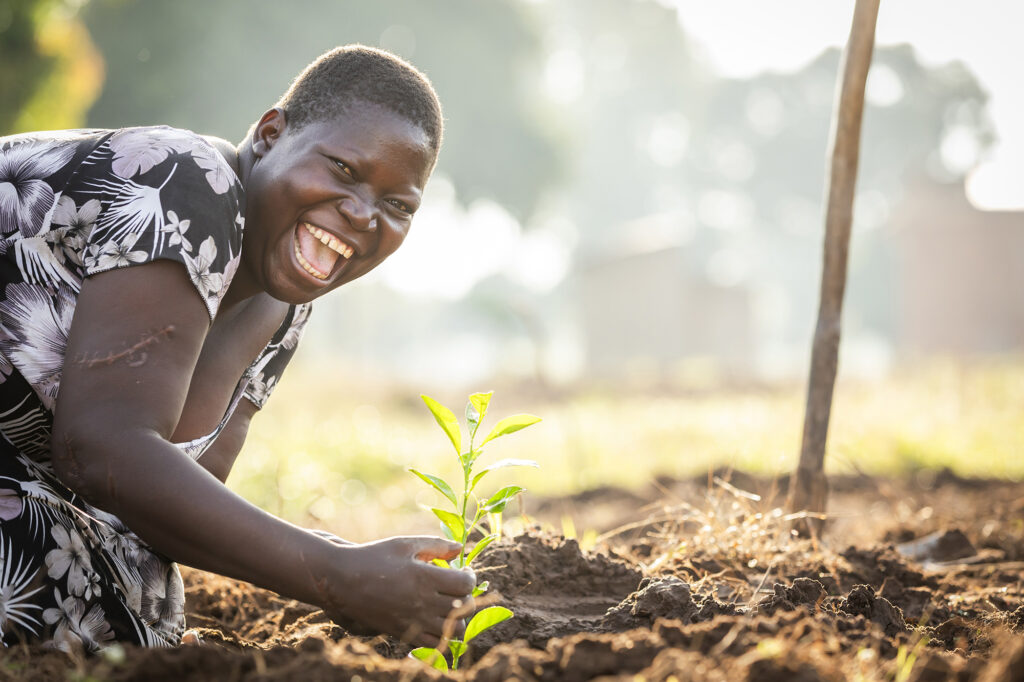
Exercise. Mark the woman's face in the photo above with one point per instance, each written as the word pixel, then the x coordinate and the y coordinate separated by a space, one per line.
pixel 328 202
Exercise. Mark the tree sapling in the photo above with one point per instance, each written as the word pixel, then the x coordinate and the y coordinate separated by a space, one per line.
pixel 457 524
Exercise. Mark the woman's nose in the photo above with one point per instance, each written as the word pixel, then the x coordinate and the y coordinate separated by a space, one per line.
pixel 359 212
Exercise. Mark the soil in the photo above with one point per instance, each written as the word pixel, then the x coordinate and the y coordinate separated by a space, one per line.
pixel 918 579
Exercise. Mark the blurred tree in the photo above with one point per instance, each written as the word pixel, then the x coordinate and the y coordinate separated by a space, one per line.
pixel 216 66
pixel 49 70
pixel 22 64
pixel 630 93
pixel 763 142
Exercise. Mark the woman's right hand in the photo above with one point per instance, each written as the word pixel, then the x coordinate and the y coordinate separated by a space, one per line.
pixel 390 586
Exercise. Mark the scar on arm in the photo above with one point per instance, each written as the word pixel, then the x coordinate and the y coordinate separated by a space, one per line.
pixel 133 356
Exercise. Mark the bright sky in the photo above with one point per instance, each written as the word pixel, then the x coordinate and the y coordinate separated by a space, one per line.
pixel 743 37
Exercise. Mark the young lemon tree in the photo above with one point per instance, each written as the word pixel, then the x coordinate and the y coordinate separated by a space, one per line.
pixel 458 523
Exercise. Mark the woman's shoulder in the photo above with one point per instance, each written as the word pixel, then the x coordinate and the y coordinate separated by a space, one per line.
pixel 137 150
pixel 54 137
pixel 58 155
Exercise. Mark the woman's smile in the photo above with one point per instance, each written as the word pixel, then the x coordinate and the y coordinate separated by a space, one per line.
pixel 318 251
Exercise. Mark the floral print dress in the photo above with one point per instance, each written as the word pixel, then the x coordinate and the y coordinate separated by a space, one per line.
pixel 74 204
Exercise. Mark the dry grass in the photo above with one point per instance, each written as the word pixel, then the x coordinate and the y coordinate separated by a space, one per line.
pixel 335 455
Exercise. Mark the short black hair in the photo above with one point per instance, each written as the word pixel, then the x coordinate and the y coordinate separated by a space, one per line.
pixel 350 73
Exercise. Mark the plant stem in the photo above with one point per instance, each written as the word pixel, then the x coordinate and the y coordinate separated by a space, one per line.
pixel 466 470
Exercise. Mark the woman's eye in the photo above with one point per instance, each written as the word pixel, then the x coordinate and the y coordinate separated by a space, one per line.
pixel 400 206
pixel 344 167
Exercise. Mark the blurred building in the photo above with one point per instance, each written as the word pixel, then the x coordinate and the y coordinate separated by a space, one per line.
pixel 958 274
pixel 647 309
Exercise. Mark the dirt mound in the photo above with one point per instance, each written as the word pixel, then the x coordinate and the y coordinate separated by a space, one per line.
pixel 804 592
pixel 554 588
pixel 680 601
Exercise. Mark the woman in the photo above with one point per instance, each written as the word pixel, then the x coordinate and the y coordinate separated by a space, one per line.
pixel 155 284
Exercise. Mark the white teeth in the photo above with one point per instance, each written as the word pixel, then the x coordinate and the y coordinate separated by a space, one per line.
pixel 330 241
pixel 306 265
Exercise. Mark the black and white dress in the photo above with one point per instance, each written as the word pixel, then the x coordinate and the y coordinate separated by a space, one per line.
pixel 74 204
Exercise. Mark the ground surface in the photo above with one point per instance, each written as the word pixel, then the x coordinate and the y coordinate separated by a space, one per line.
pixel 916 579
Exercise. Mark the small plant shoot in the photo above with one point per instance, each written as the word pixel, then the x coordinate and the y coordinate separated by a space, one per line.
pixel 459 521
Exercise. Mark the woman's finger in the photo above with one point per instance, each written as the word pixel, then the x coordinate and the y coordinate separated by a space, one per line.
pixel 453 583
pixel 426 548
pixel 452 606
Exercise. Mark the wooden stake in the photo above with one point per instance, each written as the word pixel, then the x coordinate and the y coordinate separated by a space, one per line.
pixel 808 488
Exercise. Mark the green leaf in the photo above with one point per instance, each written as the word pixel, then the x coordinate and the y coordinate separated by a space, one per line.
pixel 510 425
pixel 453 522
pixel 440 562
pixel 431 656
pixel 457 647
pixel 438 485
pixel 446 420
pixel 501 464
pixel 480 401
pixel 498 500
pixel 487 618
pixel 481 588
pixel 472 421
pixel 480 547
pixel 476 408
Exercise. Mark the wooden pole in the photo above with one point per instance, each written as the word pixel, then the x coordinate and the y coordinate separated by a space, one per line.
pixel 808 488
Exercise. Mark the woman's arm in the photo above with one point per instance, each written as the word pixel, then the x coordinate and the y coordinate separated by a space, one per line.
pixel 113 420
pixel 220 456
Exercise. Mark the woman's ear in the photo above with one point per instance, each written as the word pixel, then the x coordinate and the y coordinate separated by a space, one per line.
pixel 269 128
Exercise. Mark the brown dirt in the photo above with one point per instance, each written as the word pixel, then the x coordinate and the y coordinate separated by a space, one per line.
pixel 919 579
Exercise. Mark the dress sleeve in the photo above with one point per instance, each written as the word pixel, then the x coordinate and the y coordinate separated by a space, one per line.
pixel 269 365
pixel 164 194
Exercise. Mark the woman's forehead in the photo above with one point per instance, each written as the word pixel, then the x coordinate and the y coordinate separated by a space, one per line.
pixel 367 119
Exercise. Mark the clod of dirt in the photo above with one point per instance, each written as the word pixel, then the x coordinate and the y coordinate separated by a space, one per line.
pixel 873 566
pixel 805 592
pixel 957 632
pixel 553 587
pixel 862 601
pixel 667 597
pixel 939 546
pixel 1016 619
pixel 586 656
pixel 541 563
pixel 662 597
pixel 914 602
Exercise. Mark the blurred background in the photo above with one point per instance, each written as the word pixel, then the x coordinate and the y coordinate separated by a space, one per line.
pixel 623 233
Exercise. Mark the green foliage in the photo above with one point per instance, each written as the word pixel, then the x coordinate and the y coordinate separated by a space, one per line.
pixel 455 524
pixel 484 619
pixel 431 656
pixel 23 66
pixel 446 420
pixel 510 425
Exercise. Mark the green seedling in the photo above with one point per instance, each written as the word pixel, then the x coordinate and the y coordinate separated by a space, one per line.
pixel 457 523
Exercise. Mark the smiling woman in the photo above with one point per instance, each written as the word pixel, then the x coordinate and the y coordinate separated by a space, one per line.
pixel 155 285
pixel 335 197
